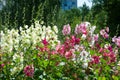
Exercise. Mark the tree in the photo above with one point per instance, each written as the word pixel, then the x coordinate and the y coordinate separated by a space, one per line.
pixel 84 11
pixel 112 9
pixel 20 12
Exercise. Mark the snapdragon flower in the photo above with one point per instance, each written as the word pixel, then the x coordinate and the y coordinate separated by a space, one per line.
pixel 66 30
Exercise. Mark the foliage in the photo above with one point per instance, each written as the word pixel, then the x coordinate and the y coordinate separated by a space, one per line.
pixel 113 19
pixel 18 13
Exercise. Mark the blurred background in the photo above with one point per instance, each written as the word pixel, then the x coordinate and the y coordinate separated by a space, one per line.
pixel 102 13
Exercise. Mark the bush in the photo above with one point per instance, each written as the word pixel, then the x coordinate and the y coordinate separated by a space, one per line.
pixel 36 53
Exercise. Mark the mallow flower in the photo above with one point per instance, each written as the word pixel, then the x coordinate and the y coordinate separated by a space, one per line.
pixel 66 30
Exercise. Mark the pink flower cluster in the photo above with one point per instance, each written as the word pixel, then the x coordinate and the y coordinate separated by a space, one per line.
pixel 29 70
pixel 67 49
pixel 66 30
pixel 95 59
pixel 110 57
pixel 116 40
pixel 104 32
pixel 45 48
pixel 82 28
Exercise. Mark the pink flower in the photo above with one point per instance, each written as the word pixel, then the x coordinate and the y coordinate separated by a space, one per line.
pixel 66 30
pixel 53 52
pixel 58 46
pixel 29 70
pixel 44 41
pixel 104 33
pixel 77 40
pixel 96 37
pixel 112 57
pixel 98 45
pixel 109 57
pixel 105 54
pixel 110 48
pixel 81 29
pixel 2 65
pixel 77 29
pixel 95 59
pixel 116 40
pixel 44 49
pixel 101 50
pixel 107 29
pixel 74 40
pixel 69 54
pixel 60 49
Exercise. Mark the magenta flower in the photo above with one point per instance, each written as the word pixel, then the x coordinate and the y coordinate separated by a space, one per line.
pixel 96 37
pixel 110 48
pixel 66 30
pixel 29 70
pixel 81 29
pixel 45 42
pixel 112 57
pixel 95 59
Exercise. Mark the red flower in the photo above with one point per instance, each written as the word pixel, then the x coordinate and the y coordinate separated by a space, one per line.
pixel 77 40
pixel 45 42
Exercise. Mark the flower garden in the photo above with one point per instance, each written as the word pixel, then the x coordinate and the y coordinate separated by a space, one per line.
pixel 36 53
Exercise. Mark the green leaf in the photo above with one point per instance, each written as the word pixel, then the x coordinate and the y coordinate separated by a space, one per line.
pixel 101 78
pixel 115 77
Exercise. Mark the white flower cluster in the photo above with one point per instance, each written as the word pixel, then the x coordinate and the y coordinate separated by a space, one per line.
pixel 24 38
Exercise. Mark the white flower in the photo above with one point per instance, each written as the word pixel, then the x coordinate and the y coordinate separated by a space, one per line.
pixel 87 24
pixel 61 63
pixel 55 29
pixel 92 29
pixel 26 26
pixel 85 57
pixel 85 64
pixel 76 47
pixel 28 37
pixel 20 28
pixel 42 22
pixel 83 37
